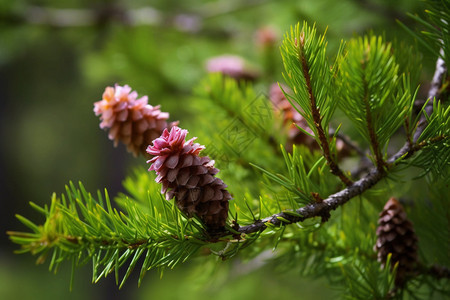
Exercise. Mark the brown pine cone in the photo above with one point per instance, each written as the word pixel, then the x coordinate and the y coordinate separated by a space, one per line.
pixel 130 120
pixel 396 235
pixel 189 178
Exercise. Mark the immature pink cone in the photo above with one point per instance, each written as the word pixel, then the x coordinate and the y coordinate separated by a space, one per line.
pixel 232 66
pixel 293 117
pixel 129 120
pixel 189 178
pixel 266 36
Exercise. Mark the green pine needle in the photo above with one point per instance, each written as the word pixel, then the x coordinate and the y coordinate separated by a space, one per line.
pixel 372 93
pixel 110 238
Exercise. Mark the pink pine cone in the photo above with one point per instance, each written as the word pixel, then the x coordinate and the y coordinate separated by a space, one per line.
pixel 130 120
pixel 232 66
pixel 189 178
pixel 292 117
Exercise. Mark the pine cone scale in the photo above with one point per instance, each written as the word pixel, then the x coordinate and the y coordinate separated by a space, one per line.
pixel 192 182
pixel 206 179
pixel 183 176
pixel 172 161
pixel 208 193
pixel 172 174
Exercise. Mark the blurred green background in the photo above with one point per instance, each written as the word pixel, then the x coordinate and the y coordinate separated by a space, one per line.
pixel 56 58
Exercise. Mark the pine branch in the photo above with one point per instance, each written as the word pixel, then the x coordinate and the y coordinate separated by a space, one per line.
pixel 365 164
pixel 348 142
pixel 79 228
pixel 317 118
pixel 323 208
pixel 319 209
pixel 373 93
pixel 370 128
pixel 309 77
pixel 234 99
pixel 434 93
pixel 435 34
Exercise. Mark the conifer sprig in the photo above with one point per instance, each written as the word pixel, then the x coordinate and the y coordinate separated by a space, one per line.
pixel 435 34
pixel 79 228
pixel 436 132
pixel 236 104
pixel 372 93
pixel 308 74
pixel 324 207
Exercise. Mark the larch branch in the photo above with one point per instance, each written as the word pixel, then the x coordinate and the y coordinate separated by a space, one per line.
pixel 322 209
pixel 318 119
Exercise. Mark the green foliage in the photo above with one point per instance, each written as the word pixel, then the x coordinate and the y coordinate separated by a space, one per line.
pixel 436 30
pixel 366 280
pixel 409 60
pixel 238 127
pixel 434 159
pixel 341 251
pixel 236 119
pixel 438 123
pixel 308 175
pixel 79 228
pixel 372 93
pixel 308 74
